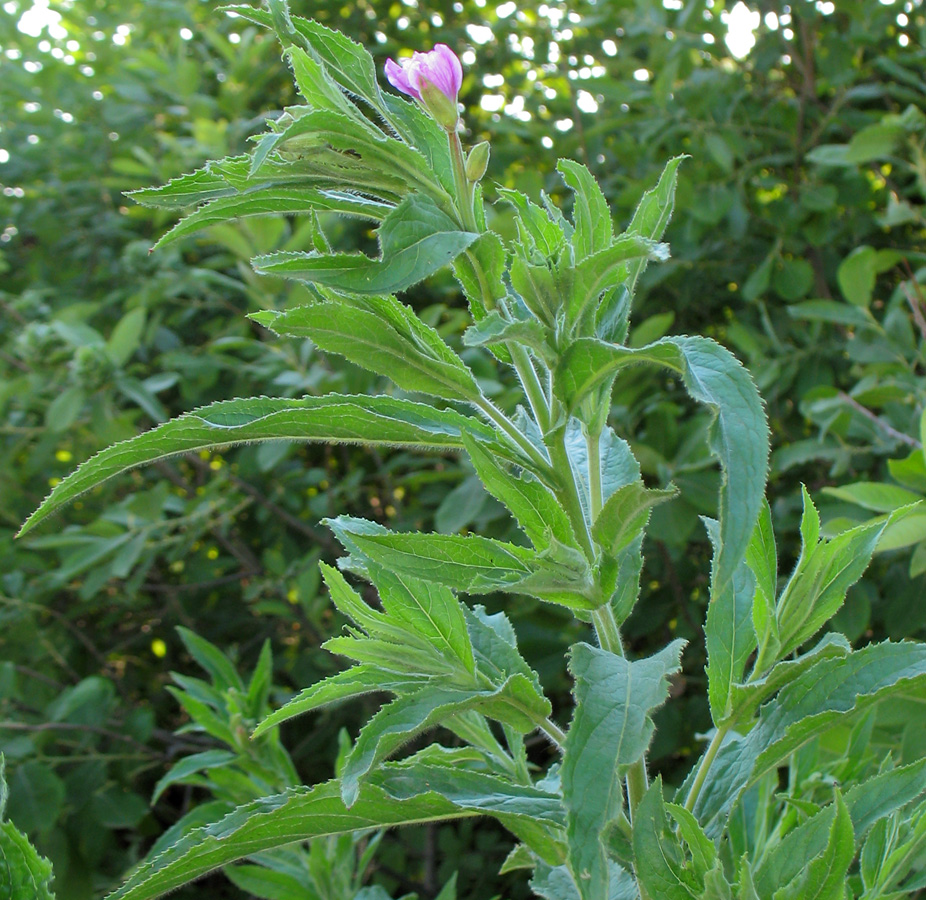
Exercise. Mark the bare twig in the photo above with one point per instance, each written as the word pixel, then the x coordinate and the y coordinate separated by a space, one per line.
pixel 887 429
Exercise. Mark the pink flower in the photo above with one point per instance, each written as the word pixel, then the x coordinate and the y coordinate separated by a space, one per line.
pixel 439 68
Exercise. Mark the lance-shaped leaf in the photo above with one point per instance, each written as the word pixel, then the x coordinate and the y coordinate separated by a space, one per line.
pixel 625 514
pixel 824 877
pixel 189 767
pixel 825 571
pixel 429 611
pixel 535 507
pixel 318 88
pixel 275 201
pixel 297 815
pixel 348 62
pixel 604 271
pixel 619 467
pixel 186 190
pixel 762 559
pixel 866 803
pixel 353 682
pixel 537 231
pixel 382 335
pixel 728 631
pixel 739 434
pixel 611 728
pixel 303 132
pixel 472 563
pixel 334 418
pixel 495 648
pixel 417 239
pixel 746 698
pixel 807 706
pixel 659 857
pixel 23 873
pixel 592 215
pixel 512 702
pixel 495 329
pixel 480 271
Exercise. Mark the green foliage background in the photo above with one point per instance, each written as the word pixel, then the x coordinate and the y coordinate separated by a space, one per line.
pixel 798 219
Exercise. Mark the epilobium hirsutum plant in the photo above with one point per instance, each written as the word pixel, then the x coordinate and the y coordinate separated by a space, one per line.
pixel 804 789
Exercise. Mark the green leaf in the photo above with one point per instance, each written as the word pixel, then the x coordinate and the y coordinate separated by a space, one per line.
pixel 739 434
pixel 825 571
pixel 858 272
pixel 479 271
pixel 659 861
pixel 23 873
pixel 867 803
pixel 534 506
pixel 334 418
pixel 762 559
pixel 267 884
pixel 416 238
pixel 297 815
pixel 606 270
pixel 649 221
pixel 823 695
pixel 385 336
pixel 353 682
pixel 625 514
pixel 824 878
pixel 874 496
pixel 537 231
pixel 126 336
pixel 347 61
pixel 746 698
pixel 275 201
pixel 403 718
pixel 619 467
pixel 495 649
pixel 317 87
pixel 611 728
pixel 471 563
pixel 36 795
pixel 729 631
pixel 592 215
pixel 429 611
pixel 223 673
pixel 189 766
pixel 201 186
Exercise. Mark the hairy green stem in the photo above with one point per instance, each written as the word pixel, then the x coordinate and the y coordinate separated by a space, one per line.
pixel 705 765
pixel 513 432
pixel 539 404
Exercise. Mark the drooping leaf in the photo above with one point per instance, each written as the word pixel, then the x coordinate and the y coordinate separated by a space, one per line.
pixel 417 239
pixel 275 201
pixel 611 728
pixel 334 418
pixel 298 814
pixel 738 436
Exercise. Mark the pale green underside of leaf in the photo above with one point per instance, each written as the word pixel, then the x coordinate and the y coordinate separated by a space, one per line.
pixel 611 728
pixel 274 201
pixel 335 418
pixel 24 875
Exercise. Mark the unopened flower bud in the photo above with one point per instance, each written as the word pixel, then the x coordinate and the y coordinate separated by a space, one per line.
pixel 433 79
pixel 477 161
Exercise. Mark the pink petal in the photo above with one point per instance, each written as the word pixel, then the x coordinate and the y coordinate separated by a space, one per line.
pixel 398 76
